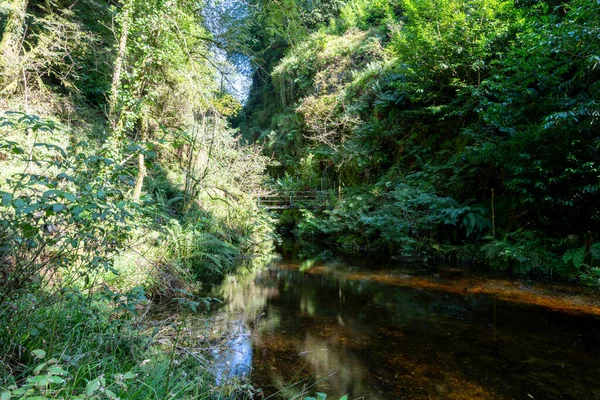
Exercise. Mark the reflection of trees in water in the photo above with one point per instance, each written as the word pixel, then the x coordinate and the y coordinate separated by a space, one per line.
pixel 388 341
pixel 303 342
pixel 384 341
pixel 244 299
pixel 244 292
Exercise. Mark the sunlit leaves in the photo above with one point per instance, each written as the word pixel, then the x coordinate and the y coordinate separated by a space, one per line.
pixel 69 202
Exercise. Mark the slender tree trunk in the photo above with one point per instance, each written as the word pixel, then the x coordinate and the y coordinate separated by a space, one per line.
pixel 193 177
pixel 139 182
pixel 119 61
pixel 199 158
pixel 187 193
pixel 10 46
pixel 199 172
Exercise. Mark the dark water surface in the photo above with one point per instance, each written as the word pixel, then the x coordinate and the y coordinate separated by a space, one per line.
pixel 392 334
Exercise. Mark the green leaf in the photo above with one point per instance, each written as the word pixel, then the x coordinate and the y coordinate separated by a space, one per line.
pixel 39 368
pixel 110 394
pixel 41 380
pixel 56 379
pixel 344 397
pixel 5 395
pixel 20 391
pixel 38 353
pixel 6 198
pixel 576 256
pixel 69 196
pixel 92 386
pixel 60 194
pixel 28 230
pixel 19 204
pixel 58 207
pixel 595 251
pixel 129 375
pixel 57 371
pixel 321 396
pixel 51 147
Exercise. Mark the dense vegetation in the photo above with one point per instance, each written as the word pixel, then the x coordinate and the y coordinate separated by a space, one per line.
pixel 462 130
pixel 120 180
pixel 458 130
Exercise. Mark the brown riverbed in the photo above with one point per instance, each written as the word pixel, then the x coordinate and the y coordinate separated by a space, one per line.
pixel 394 333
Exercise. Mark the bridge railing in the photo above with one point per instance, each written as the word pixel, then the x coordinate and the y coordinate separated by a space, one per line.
pixel 286 200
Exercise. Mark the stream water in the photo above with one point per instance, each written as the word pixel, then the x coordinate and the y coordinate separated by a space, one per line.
pixel 395 334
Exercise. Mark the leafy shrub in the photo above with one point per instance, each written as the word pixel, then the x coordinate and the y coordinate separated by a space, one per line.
pixel 473 219
pixel 523 252
pixel 366 13
pixel 404 219
pixel 65 211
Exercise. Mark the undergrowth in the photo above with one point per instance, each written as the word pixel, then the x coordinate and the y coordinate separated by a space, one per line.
pixel 80 263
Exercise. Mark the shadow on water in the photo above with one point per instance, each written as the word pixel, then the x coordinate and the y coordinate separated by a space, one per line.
pixel 390 334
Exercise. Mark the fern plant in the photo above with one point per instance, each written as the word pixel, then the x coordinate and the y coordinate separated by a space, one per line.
pixel 473 219
pixel 202 253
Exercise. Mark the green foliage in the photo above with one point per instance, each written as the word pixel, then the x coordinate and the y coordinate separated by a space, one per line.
pixel 63 60
pixel 547 122
pixel 474 219
pixel 526 252
pixel 488 102
pixel 65 210
pixel 66 234
pixel 521 252
pixel 76 348
pixel 59 361
pixel 363 13
pixel 575 256
pixel 401 218
pixel 200 252
pixel 97 212
pixel 446 45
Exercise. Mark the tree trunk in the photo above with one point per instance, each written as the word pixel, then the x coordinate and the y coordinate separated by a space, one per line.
pixel 10 46
pixel 193 176
pixel 116 79
pixel 139 181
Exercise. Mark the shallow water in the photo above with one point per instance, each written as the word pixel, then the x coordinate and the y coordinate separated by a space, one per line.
pixel 395 334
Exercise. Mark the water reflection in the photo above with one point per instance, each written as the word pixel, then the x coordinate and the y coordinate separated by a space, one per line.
pixel 344 330
pixel 234 359
pixel 244 301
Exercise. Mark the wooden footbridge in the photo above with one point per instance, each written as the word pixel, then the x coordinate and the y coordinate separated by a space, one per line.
pixel 309 199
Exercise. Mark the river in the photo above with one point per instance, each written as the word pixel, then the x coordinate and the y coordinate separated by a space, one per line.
pixel 298 327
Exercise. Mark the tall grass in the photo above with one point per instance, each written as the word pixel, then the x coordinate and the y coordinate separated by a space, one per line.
pixel 99 348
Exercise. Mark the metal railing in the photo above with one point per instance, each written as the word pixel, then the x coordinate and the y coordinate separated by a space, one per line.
pixel 295 199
